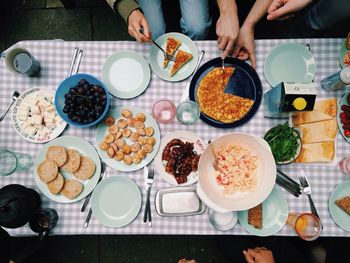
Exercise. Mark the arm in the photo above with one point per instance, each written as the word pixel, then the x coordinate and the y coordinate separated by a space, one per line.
pixel 283 9
pixel 130 12
pixel 258 255
pixel 227 27
pixel 245 46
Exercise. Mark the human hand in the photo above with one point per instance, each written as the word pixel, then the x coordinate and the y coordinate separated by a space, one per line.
pixel 245 45
pixel 136 21
pixel 283 9
pixel 258 255
pixel 227 29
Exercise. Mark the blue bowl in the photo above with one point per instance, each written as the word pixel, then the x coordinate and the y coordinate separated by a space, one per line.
pixel 64 87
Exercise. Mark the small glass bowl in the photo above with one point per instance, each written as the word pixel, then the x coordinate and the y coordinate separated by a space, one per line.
pixel 223 221
pixel 187 112
pixel 164 110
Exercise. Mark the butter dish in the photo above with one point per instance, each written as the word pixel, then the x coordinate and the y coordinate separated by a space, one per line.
pixel 178 201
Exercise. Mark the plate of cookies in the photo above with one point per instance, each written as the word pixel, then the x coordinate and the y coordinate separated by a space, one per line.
pixel 67 169
pixel 127 139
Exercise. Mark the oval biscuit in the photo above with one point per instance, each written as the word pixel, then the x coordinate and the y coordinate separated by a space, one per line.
pixel 72 188
pixel 56 185
pixel 73 161
pixel 47 171
pixel 57 154
pixel 86 169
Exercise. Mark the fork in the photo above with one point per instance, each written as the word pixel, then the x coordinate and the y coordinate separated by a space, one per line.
pixel 149 181
pixel 166 56
pixel 15 95
pixel 306 189
pixel 223 72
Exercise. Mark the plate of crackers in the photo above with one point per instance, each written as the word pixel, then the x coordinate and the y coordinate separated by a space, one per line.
pixel 127 139
pixel 67 169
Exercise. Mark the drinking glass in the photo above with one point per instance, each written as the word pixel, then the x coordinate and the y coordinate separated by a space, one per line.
pixel 11 162
pixel 187 112
pixel 344 164
pixel 43 221
pixel 164 110
pixel 306 225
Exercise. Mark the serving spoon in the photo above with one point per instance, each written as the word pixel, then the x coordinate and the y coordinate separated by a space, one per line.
pixel 213 152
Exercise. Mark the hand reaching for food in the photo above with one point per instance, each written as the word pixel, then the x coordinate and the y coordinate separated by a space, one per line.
pixel 136 21
pixel 245 46
pixel 284 9
pixel 258 255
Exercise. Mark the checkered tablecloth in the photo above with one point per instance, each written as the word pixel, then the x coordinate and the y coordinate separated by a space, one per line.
pixel 55 58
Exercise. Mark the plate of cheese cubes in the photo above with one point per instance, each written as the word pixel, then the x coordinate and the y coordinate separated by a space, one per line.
pixel 34 116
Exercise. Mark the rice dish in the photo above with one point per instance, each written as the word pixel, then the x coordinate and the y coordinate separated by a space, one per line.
pixel 237 168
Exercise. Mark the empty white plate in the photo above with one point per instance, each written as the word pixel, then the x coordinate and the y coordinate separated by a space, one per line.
pixel 126 74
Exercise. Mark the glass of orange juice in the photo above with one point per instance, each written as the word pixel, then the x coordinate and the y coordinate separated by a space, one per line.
pixel 306 225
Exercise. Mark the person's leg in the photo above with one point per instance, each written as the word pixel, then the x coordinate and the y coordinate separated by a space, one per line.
pixel 195 18
pixel 152 9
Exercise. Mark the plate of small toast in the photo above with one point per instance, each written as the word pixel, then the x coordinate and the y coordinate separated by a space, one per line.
pixel 67 169
pixel 179 46
pixel 339 205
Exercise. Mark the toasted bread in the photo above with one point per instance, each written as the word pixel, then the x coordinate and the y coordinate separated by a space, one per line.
pixel 255 216
pixel 318 131
pixel 344 204
pixel 73 161
pixel 316 152
pixel 86 169
pixel 181 59
pixel 72 188
pixel 172 45
pixel 56 185
pixel 57 154
pixel 47 171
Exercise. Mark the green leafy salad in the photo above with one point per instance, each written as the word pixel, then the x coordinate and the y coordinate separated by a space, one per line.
pixel 284 142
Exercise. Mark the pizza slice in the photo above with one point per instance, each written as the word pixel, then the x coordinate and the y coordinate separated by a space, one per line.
pixel 181 59
pixel 255 216
pixel 344 203
pixel 172 45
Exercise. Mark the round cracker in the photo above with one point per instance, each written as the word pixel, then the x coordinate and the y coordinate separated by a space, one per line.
pixel 72 188
pixel 86 169
pixel 73 161
pixel 56 185
pixel 57 154
pixel 47 171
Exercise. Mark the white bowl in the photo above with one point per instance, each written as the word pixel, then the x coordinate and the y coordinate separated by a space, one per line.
pixel 212 194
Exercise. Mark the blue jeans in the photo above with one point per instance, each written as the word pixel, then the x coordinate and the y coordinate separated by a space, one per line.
pixel 195 19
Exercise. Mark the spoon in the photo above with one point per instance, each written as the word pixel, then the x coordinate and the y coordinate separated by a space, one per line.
pixel 15 95
pixel 213 152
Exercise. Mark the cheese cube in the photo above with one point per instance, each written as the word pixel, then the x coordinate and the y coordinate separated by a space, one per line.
pixel 30 130
pixel 51 109
pixel 46 130
pixel 37 119
pixel 50 115
pixel 22 117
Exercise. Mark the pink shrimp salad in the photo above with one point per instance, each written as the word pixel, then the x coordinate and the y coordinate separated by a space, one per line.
pixel 237 169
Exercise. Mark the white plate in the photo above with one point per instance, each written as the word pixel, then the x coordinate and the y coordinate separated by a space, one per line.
pixel 85 149
pixel 102 131
pixel 126 74
pixel 185 136
pixel 17 123
pixel 157 57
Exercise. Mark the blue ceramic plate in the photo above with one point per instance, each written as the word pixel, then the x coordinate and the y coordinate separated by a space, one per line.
pixel 275 214
pixel 116 201
pixel 157 57
pixel 340 217
pixel 343 101
pixel 244 82
pixel 342 52
pixel 102 131
pixel 64 87
pixel 290 63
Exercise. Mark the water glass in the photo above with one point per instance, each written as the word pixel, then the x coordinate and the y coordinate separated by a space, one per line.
pixel 344 164
pixel 306 225
pixel 187 112
pixel 164 110
pixel 43 221
pixel 11 162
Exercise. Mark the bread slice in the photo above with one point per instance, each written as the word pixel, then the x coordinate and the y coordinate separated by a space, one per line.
pixel 56 185
pixel 172 45
pixel 255 216
pixel 316 152
pixel 72 188
pixel 181 59
pixel 47 171
pixel 318 131
pixel 73 161
pixel 344 204
pixel 323 110
pixel 57 154
pixel 86 169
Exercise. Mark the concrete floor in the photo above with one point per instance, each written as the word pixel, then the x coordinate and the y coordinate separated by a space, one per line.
pixel 94 20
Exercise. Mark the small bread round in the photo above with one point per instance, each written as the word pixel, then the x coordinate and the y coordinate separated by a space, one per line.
pixel 127 159
pixel 86 169
pixel 139 125
pixel 122 123
pixel 57 154
pixel 131 122
pixel 56 185
pixel 149 131
pixel 47 171
pixel 140 117
pixel 126 113
pixel 72 188
pixel 113 129
pixel 73 161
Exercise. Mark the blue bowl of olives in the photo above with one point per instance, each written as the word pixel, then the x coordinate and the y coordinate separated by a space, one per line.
pixel 82 100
